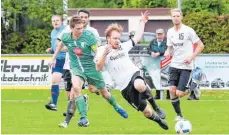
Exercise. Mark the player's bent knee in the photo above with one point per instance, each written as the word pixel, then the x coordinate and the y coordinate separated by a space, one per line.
pixel 56 77
pixel 92 88
pixel 76 88
pixel 148 111
pixel 55 82
pixel 180 93
pixel 172 90
pixel 139 85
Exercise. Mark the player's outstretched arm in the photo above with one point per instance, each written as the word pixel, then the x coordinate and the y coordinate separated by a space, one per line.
pixel 139 32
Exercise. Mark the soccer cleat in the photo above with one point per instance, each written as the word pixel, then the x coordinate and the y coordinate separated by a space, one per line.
pixel 63 124
pixel 163 124
pixel 190 97
pixel 51 106
pixel 196 90
pixel 121 111
pixel 83 122
pixel 197 93
pixel 177 118
pixel 161 113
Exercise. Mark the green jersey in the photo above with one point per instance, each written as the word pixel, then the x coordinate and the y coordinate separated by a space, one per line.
pixel 81 50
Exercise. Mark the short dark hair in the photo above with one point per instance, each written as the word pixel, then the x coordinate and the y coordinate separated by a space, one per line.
pixel 84 10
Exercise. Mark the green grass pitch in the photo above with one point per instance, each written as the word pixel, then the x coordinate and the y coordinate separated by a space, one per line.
pixel 23 112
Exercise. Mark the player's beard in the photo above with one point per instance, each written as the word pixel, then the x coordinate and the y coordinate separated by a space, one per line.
pixel 115 45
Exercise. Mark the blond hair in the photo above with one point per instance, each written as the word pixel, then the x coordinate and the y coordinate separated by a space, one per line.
pixel 113 27
pixel 75 20
pixel 61 18
pixel 176 10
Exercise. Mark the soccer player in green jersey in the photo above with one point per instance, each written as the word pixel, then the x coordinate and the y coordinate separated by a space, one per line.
pixel 81 45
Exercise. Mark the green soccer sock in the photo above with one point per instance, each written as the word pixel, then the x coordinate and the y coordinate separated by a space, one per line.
pixel 81 106
pixel 112 101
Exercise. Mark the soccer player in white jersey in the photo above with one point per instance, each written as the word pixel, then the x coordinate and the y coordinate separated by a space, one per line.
pixel 180 41
pixel 114 58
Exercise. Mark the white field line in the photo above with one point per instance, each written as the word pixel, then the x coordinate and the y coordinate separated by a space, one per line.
pixel 112 134
pixel 99 100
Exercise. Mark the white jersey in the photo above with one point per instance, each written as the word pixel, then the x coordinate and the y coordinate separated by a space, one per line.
pixel 182 42
pixel 119 64
pixel 67 62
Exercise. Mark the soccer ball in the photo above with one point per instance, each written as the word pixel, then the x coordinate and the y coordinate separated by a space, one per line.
pixel 183 127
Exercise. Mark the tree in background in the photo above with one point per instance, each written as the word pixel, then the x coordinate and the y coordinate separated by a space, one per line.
pixel 218 7
pixel 212 29
pixel 95 3
pixel 26 25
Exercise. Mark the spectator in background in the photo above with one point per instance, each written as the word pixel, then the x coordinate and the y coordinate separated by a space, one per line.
pixel 157 48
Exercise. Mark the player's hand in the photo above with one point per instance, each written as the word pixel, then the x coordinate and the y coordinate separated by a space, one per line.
pixel 52 63
pixel 107 50
pixel 167 55
pixel 145 16
pixel 49 50
pixel 155 54
pixel 188 60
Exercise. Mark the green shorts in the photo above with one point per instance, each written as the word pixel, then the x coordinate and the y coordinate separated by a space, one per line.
pixel 94 78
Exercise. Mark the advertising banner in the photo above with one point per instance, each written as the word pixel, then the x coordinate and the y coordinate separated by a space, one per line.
pixel 214 67
pixel 32 72
pixel 216 70
pixel 25 72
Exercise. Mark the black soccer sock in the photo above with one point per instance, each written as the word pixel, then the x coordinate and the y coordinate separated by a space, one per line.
pixel 148 95
pixel 176 105
pixel 154 118
pixel 70 111
pixel 192 93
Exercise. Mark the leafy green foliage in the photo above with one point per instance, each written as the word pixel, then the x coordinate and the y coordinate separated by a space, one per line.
pixel 33 22
pixel 153 3
pixel 37 42
pixel 26 23
pixel 213 6
pixel 212 30
pixel 13 44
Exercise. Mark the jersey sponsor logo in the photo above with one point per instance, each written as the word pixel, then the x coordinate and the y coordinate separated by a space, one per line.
pixel 78 51
pixel 118 56
pixel 83 44
pixel 178 44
